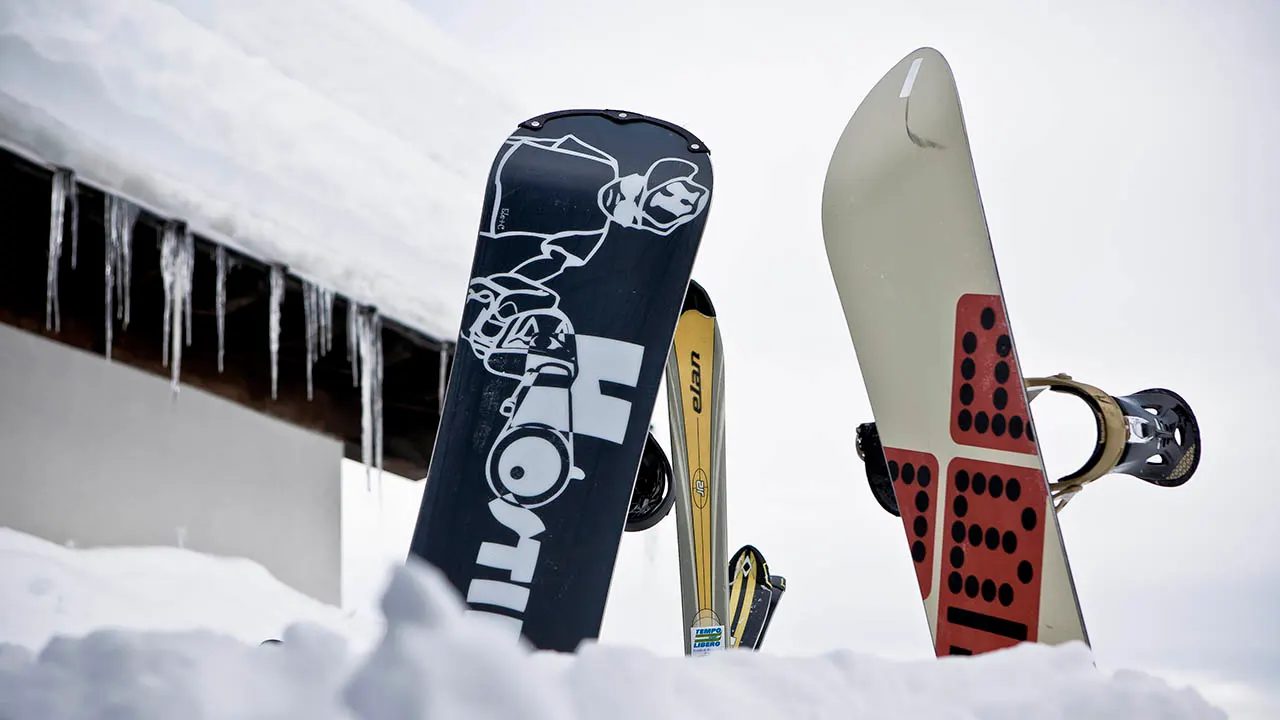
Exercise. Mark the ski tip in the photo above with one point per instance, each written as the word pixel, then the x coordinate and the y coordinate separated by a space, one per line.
pixel 696 298
pixel 748 553
pixel 619 116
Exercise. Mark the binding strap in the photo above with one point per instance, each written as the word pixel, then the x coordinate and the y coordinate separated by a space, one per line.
pixel 1113 434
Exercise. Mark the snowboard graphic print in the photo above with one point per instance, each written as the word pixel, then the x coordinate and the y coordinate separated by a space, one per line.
pixel 591 223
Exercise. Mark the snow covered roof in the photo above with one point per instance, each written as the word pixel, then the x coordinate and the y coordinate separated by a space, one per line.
pixel 347 140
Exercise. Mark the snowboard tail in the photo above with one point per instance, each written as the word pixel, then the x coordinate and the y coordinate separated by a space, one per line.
pixel 911 257
pixel 589 229
pixel 695 403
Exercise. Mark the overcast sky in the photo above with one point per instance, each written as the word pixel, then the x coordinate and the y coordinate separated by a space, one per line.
pixel 1128 164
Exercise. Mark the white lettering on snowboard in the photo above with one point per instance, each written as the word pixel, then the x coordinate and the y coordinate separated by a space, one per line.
pixel 531 464
pixel 602 359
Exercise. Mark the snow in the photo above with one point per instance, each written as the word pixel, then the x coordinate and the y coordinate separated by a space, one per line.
pixel 348 140
pixel 48 590
pixel 350 150
pixel 170 633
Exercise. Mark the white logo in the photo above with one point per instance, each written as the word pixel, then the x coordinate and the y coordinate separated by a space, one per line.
pixel 706 640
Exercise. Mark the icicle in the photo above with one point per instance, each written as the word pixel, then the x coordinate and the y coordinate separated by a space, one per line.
pixel 128 214
pixel 177 257
pixel 220 300
pixel 75 216
pixel 64 183
pixel 370 350
pixel 112 259
pixel 317 306
pixel 121 215
pixel 277 298
pixel 376 341
pixel 326 319
pixel 353 341
pixel 312 323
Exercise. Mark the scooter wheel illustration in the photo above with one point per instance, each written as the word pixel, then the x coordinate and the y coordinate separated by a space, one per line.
pixel 529 464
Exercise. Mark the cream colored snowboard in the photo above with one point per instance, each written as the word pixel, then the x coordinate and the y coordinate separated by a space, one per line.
pixel 912 260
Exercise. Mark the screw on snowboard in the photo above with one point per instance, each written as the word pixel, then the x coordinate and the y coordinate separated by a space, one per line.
pixel 1152 435
pixel 590 226
pixel 913 265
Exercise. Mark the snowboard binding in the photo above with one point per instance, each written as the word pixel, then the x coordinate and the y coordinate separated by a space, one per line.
pixel 868 445
pixel 1152 435
pixel 653 496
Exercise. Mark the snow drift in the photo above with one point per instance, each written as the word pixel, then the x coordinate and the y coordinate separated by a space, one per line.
pixel 169 633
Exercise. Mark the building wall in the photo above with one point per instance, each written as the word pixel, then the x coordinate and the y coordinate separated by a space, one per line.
pixel 99 454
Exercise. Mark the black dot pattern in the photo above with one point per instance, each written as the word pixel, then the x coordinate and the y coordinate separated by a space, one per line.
pixel 913 475
pixel 993 549
pixel 988 404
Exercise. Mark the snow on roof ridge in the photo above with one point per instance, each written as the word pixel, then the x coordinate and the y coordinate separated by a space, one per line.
pixel 300 144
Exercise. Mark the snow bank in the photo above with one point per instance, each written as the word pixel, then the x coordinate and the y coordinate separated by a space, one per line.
pixel 347 139
pixel 434 661
pixel 47 590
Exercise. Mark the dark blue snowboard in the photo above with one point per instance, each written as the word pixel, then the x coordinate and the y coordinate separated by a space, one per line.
pixel 591 222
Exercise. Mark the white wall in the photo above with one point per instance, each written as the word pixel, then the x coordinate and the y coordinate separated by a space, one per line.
pixel 100 454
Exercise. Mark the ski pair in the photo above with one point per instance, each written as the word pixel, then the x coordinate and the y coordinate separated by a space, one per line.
pixel 726 603
pixel 953 448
